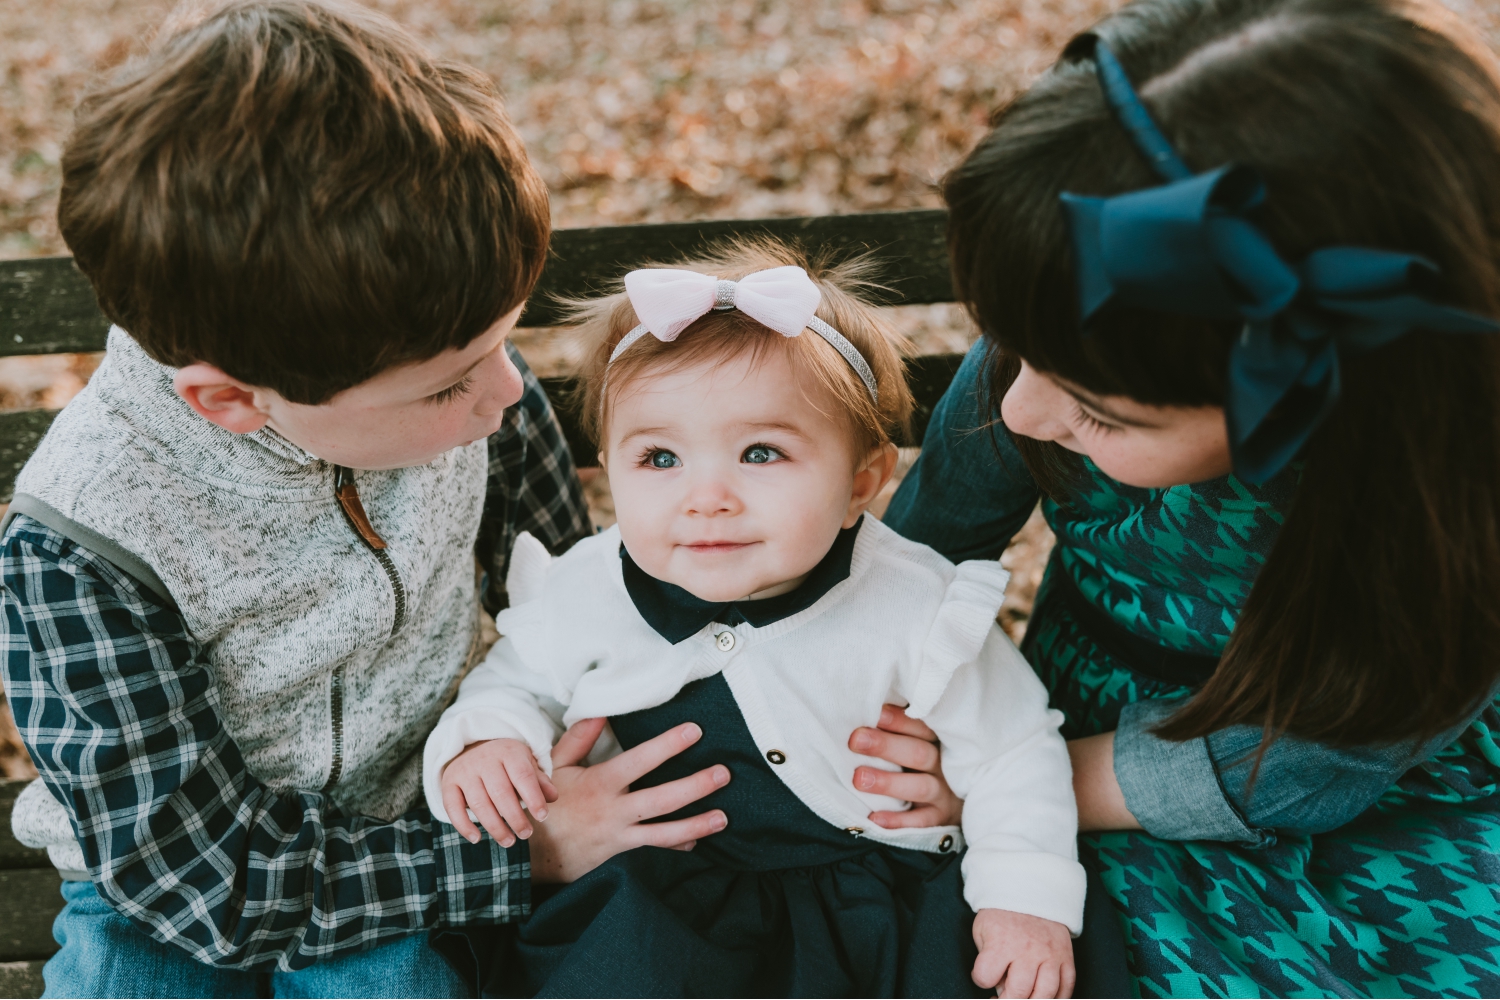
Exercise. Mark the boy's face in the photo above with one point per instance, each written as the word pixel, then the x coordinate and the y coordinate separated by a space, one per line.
pixel 405 416
pixel 729 481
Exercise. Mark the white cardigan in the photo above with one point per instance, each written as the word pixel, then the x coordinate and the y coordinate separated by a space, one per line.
pixel 906 626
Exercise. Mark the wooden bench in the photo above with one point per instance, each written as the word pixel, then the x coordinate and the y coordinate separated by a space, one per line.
pixel 47 307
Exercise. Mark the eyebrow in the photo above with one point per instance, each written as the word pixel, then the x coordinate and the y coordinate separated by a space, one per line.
pixel 1094 403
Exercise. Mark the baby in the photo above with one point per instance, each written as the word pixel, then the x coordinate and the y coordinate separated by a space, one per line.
pixel 744 411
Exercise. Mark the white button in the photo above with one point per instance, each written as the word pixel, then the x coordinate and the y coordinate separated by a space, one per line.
pixel 725 641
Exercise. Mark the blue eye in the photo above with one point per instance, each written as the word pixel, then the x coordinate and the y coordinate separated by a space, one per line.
pixel 760 454
pixel 662 459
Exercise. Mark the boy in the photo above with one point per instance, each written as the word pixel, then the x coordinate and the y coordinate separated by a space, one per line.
pixel 224 646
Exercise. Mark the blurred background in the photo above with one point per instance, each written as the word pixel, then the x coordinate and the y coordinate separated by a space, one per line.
pixel 634 111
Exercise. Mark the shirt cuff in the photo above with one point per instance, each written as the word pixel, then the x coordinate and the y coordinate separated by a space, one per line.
pixel 1173 788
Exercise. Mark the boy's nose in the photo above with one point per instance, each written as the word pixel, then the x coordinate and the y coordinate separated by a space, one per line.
pixel 500 389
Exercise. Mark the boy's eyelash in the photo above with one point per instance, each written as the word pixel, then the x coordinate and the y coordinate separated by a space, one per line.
pixel 1093 422
pixel 455 390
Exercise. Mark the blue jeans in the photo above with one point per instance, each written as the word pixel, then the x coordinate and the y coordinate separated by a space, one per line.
pixel 104 955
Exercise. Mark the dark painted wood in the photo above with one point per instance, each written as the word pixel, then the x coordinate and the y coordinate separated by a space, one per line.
pixel 911 248
pixel 29 900
pixel 47 306
pixel 21 979
pixel 20 431
pixel 12 853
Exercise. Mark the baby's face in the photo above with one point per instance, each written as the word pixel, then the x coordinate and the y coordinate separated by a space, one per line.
pixel 728 480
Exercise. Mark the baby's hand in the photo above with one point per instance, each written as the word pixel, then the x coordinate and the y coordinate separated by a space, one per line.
pixel 486 778
pixel 1029 956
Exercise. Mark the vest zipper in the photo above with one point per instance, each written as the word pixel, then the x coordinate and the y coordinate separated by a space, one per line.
pixel 347 495
pixel 345 492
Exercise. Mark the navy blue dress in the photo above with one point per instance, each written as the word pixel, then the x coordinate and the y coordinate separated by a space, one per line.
pixel 781 903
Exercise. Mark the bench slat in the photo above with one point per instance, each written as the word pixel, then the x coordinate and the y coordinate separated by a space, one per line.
pixel 47 306
pixel 29 900
pixel 21 979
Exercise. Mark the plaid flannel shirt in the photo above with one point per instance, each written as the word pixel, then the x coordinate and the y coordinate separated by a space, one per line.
pixel 117 705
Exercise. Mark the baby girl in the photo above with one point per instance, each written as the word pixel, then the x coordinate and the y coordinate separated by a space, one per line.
pixel 745 410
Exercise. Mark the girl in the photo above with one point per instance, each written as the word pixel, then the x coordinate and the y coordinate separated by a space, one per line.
pixel 1238 263
pixel 746 422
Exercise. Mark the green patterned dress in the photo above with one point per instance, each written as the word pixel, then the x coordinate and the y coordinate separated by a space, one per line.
pixel 1401 899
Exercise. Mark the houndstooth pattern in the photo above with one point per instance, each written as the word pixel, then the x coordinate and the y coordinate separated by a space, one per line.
pixel 117 705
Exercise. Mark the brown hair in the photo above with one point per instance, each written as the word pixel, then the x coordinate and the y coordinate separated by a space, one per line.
pixel 294 192
pixel 1377 124
pixel 730 334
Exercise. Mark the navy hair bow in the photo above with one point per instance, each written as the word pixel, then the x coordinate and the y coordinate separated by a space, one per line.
pixel 1188 247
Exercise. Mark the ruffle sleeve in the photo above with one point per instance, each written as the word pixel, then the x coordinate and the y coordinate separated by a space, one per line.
pixel 959 629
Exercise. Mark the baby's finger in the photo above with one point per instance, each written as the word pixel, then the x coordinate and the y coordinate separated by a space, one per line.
pixel 523 775
pixel 548 788
pixel 484 811
pixel 680 831
pixel 913 786
pixel 1048 979
pixel 458 813
pixel 989 968
pixel 903 751
pixel 1020 978
pixel 906 819
pixel 574 745
pixel 893 719
pixel 503 797
pixel 684 847
pixel 1069 980
pixel 649 803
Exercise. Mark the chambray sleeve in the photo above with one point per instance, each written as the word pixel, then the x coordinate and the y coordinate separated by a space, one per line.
pixel 118 707
pixel 1201 789
pixel 969 491
pixel 533 486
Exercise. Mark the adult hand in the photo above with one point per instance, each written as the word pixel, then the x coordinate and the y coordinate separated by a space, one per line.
pixel 597 816
pixel 909 744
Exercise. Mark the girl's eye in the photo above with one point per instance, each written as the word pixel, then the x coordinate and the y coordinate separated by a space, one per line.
pixel 660 458
pixel 1092 422
pixel 760 454
pixel 454 391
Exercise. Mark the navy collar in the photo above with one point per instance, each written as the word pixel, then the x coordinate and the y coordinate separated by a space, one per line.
pixel 676 614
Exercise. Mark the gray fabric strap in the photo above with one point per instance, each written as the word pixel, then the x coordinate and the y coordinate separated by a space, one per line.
pixel 122 558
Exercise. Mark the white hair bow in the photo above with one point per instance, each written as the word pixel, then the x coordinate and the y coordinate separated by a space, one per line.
pixel 669 300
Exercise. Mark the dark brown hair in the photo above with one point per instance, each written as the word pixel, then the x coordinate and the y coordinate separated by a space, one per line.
pixel 1377 124
pixel 294 192
pixel 718 336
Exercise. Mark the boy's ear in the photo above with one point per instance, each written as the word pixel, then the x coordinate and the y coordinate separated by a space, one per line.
pixel 220 399
pixel 869 479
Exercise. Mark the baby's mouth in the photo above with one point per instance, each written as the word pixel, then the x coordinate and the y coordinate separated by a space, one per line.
pixel 716 547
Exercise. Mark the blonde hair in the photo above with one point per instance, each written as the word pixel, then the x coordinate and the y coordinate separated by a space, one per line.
pixel 724 336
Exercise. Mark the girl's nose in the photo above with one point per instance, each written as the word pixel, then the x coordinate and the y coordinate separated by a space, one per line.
pixel 1035 407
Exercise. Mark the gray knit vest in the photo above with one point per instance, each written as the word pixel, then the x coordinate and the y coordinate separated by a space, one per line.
pixel 332 660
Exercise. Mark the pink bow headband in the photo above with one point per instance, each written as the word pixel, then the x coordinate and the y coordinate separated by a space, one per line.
pixel 668 300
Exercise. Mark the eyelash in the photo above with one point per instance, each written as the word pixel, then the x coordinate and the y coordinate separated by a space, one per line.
pixel 454 391
pixel 1092 422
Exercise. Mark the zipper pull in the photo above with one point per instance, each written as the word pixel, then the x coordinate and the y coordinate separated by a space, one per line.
pixel 347 495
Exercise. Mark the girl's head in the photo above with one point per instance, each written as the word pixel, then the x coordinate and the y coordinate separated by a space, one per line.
pixel 1375 124
pixel 737 453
